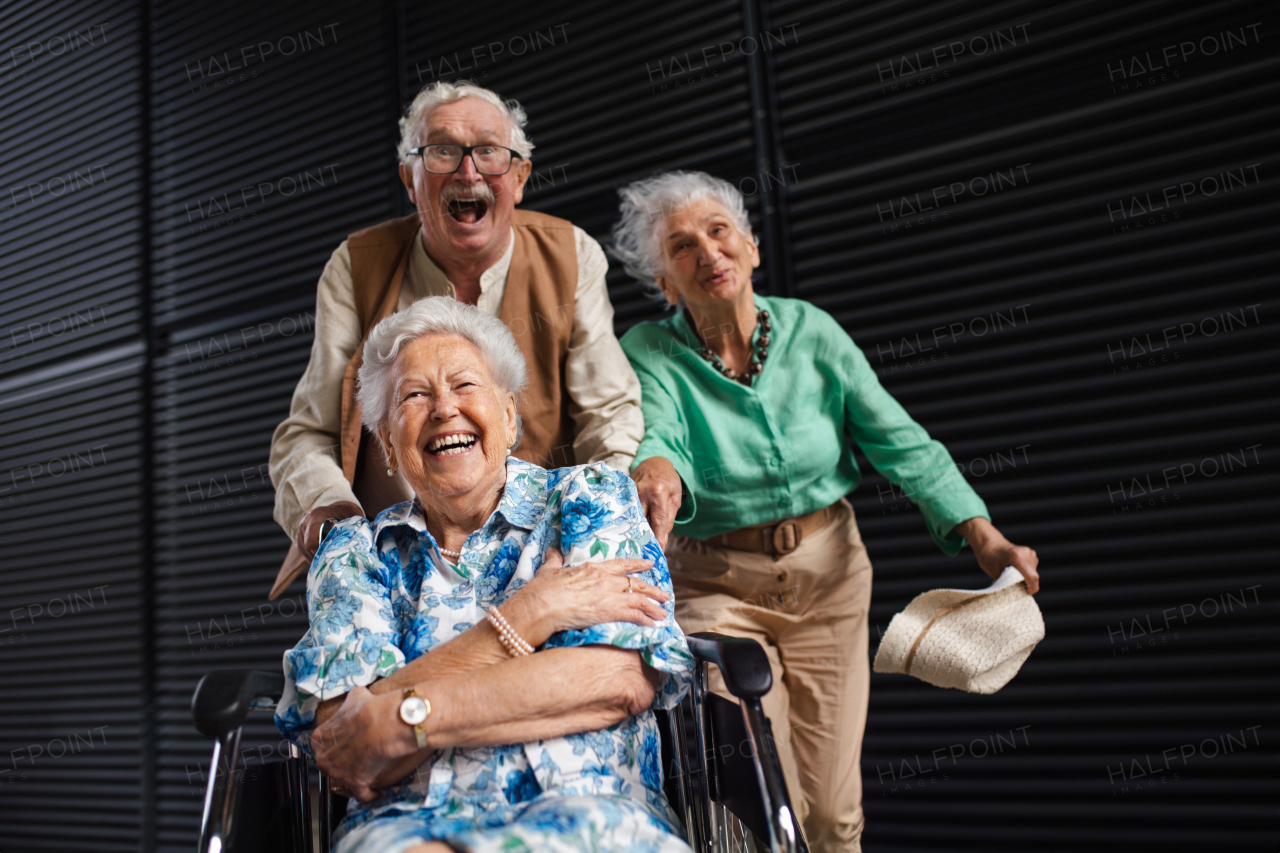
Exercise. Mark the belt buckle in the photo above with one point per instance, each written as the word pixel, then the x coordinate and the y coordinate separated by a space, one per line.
pixel 787 536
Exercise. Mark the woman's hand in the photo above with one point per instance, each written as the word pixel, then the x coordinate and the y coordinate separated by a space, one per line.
pixel 661 492
pixel 563 598
pixel 365 746
pixel 994 552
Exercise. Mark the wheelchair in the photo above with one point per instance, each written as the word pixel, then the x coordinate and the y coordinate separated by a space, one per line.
pixel 722 778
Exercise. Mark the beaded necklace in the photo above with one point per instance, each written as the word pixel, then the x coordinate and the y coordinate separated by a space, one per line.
pixel 757 361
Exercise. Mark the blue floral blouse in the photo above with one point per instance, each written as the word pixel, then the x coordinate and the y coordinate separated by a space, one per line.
pixel 380 595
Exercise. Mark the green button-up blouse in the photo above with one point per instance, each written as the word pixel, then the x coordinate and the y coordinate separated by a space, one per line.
pixel 780 448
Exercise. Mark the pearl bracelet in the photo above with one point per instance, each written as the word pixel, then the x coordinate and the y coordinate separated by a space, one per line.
pixel 511 641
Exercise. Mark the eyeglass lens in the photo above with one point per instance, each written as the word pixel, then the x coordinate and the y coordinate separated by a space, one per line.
pixel 445 159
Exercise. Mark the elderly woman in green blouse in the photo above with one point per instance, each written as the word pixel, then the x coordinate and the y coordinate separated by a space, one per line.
pixel 753 400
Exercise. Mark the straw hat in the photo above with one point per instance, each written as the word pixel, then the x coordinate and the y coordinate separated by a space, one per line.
pixel 970 639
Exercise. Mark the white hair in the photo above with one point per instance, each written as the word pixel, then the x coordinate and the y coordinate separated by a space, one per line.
pixel 435 315
pixel 440 92
pixel 646 204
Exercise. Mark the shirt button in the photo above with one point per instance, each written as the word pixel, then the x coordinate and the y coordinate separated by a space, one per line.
pixel 775 462
pixel 782 576
pixel 784 501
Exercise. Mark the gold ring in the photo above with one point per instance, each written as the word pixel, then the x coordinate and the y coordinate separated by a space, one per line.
pixel 629 586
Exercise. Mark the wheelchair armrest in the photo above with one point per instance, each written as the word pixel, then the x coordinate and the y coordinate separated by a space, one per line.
pixel 742 662
pixel 224 697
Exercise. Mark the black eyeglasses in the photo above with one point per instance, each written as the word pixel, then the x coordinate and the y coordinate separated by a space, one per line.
pixel 445 159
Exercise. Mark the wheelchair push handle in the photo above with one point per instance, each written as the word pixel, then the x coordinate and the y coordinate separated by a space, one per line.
pixel 743 663
pixel 224 697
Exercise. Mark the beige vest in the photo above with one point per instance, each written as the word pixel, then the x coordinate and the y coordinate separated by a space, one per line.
pixel 537 306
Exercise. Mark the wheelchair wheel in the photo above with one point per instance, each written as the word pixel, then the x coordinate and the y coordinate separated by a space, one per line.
pixel 731 834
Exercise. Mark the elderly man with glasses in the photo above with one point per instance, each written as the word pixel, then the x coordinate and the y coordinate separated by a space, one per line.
pixel 464 160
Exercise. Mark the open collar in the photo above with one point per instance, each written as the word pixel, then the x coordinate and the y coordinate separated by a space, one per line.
pixel 425 278
pixel 524 499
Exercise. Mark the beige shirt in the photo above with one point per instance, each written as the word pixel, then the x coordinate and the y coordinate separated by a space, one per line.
pixel 604 394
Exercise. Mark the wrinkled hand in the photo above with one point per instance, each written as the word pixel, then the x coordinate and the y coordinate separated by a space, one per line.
pixel 364 746
pixel 564 598
pixel 660 492
pixel 994 558
pixel 308 537
pixel 995 552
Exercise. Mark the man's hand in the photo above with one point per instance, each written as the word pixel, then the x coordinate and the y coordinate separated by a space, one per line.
pixel 660 494
pixel 308 538
pixel 994 552
pixel 364 746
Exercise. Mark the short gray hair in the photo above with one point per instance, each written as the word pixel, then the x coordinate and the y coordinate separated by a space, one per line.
pixel 646 204
pixel 435 315
pixel 440 92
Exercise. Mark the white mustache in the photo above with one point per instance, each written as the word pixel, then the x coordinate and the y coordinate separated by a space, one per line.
pixel 453 192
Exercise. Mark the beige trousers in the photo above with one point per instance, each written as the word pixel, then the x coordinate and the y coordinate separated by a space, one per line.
pixel 808 609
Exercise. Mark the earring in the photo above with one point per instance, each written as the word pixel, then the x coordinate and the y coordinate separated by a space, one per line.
pixel 391 472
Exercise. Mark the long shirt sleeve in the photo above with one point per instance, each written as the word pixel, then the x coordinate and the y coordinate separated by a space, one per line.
pixel 901 450
pixel 604 393
pixel 305 464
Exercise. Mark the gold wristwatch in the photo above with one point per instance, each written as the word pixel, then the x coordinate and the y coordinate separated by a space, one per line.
pixel 414 711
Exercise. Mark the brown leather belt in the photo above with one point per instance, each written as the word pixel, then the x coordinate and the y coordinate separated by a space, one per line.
pixel 779 538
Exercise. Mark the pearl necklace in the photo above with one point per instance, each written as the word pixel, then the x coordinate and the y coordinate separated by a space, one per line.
pixel 457 555
pixel 757 361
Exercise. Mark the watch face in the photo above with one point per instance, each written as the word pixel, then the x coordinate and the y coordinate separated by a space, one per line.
pixel 413 710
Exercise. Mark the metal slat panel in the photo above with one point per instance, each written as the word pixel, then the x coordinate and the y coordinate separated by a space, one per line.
pixel 218 547
pixel 258 181
pixel 70 640
pixel 67 230
pixel 235 305
pixel 71 581
pixel 1061 407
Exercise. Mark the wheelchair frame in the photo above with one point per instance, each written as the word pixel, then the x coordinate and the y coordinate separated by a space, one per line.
pixel 724 804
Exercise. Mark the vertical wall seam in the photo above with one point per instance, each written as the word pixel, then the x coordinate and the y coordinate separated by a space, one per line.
pixel 399 53
pixel 769 179
pixel 146 450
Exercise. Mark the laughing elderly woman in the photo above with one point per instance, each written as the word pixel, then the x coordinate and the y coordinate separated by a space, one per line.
pixel 467 688
pixel 755 400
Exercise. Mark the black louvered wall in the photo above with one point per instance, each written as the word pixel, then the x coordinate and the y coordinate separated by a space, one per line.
pixel 1014 325
pixel 293 155
pixel 974 225
pixel 73 580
